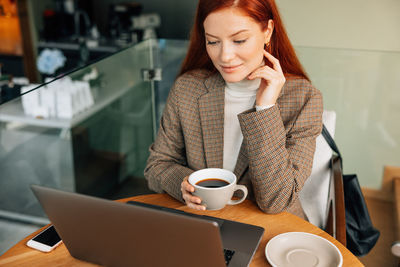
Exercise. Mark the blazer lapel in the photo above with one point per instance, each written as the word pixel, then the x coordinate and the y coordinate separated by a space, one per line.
pixel 211 106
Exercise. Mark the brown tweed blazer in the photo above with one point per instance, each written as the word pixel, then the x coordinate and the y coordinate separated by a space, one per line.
pixel 278 146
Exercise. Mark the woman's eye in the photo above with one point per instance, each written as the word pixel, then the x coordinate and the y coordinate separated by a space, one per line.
pixel 239 41
pixel 211 42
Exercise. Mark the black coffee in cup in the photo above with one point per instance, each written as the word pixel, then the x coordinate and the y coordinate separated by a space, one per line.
pixel 212 183
pixel 215 187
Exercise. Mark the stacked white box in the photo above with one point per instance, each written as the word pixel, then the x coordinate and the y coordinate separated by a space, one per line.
pixel 62 98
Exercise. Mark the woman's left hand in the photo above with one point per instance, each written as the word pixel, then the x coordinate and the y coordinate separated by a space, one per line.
pixel 272 81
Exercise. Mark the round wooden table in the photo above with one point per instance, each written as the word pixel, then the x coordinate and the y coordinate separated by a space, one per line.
pixel 247 212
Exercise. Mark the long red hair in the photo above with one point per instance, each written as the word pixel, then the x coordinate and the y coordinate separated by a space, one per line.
pixel 261 11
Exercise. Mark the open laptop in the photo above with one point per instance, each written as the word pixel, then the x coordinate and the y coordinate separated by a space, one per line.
pixel 110 233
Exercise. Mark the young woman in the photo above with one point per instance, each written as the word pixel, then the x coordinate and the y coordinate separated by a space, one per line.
pixel 242 102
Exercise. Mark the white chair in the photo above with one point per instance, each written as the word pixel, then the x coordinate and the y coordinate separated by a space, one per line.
pixel 322 196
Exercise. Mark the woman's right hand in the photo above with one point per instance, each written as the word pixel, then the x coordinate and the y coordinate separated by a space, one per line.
pixel 190 200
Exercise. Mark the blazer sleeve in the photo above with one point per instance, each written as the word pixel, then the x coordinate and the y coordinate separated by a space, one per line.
pixel 280 159
pixel 166 165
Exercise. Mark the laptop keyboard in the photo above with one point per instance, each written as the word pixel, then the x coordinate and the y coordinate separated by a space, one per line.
pixel 228 254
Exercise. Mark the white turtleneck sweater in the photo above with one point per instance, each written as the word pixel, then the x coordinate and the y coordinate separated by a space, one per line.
pixel 239 97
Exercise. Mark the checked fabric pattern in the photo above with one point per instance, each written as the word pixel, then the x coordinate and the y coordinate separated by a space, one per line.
pixel 278 146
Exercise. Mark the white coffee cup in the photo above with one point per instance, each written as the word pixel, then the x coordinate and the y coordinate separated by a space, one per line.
pixel 223 185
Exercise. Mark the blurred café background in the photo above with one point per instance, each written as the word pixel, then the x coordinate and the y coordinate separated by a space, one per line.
pixel 83 84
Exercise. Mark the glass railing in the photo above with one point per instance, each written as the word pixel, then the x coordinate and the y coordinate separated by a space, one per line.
pixel 363 87
pixel 90 130
pixel 86 132
pixel 168 57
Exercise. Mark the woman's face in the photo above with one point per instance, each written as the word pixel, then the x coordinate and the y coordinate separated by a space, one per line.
pixel 234 43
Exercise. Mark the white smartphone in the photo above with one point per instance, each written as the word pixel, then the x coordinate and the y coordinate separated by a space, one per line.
pixel 46 240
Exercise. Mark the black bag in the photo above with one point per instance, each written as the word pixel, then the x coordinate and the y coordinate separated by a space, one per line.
pixel 361 235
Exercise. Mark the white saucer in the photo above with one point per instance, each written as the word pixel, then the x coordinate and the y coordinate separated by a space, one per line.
pixel 298 249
